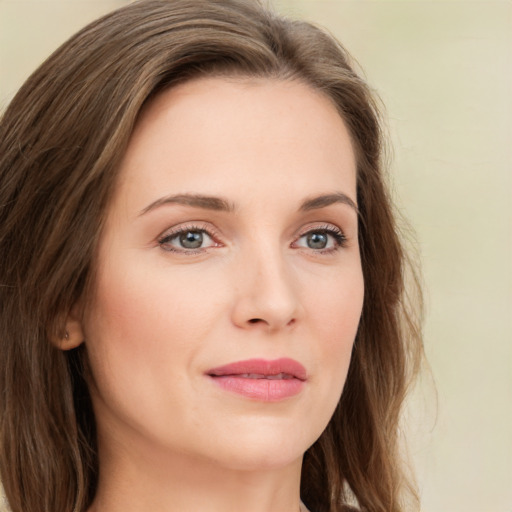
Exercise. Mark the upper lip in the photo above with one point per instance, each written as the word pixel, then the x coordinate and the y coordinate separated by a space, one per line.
pixel 262 367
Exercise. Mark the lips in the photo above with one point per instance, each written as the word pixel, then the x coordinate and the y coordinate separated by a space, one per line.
pixel 262 376
pixel 262 380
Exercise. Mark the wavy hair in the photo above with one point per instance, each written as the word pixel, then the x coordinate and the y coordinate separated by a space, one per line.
pixel 61 141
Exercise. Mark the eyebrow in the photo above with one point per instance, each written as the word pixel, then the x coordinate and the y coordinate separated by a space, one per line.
pixel 220 204
pixel 327 200
pixel 194 200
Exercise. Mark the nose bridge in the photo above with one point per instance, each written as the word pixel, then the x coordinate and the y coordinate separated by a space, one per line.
pixel 266 290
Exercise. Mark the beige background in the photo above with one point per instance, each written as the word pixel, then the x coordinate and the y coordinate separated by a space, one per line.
pixel 444 71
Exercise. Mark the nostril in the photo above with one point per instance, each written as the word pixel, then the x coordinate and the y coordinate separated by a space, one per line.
pixel 255 320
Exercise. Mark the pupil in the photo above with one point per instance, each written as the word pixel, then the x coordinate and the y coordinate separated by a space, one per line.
pixel 191 239
pixel 317 240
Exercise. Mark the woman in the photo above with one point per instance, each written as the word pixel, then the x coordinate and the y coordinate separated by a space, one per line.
pixel 202 291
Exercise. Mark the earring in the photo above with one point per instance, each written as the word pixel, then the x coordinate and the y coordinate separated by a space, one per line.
pixel 66 335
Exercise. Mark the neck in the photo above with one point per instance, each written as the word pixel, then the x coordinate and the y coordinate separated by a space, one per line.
pixel 132 480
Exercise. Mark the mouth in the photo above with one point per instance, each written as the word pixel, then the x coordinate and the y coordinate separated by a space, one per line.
pixel 262 380
pixel 262 376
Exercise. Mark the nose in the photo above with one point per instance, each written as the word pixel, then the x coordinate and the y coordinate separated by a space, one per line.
pixel 266 295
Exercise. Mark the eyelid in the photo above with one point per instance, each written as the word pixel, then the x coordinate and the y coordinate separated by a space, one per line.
pixel 340 239
pixel 334 231
pixel 322 226
pixel 173 232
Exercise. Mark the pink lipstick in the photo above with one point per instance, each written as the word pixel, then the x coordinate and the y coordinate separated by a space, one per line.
pixel 267 381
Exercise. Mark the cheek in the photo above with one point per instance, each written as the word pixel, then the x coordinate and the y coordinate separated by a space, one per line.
pixel 333 313
pixel 142 308
pixel 125 332
pixel 337 307
pixel 141 341
pixel 337 303
pixel 145 322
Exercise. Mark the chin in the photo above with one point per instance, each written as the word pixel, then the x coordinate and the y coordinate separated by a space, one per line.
pixel 252 460
pixel 260 448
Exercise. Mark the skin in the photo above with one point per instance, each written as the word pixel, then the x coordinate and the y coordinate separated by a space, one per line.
pixel 170 438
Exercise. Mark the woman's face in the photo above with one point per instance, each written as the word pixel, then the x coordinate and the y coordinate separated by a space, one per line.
pixel 229 284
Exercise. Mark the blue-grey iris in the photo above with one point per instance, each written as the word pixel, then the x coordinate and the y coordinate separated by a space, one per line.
pixel 191 239
pixel 317 240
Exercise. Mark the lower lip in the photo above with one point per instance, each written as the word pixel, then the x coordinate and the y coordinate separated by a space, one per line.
pixel 265 390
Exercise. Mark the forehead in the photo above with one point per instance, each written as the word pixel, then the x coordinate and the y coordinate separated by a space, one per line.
pixel 214 135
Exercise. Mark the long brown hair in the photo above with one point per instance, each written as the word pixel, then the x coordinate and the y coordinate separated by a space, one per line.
pixel 61 141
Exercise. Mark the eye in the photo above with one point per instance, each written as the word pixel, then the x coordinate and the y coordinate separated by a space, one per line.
pixel 325 239
pixel 190 239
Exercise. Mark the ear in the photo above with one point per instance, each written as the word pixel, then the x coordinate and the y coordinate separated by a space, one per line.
pixel 73 334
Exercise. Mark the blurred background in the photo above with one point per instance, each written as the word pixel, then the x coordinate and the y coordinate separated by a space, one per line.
pixel 444 72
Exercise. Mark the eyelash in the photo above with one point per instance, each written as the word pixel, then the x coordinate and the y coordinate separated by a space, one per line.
pixel 171 235
pixel 340 240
